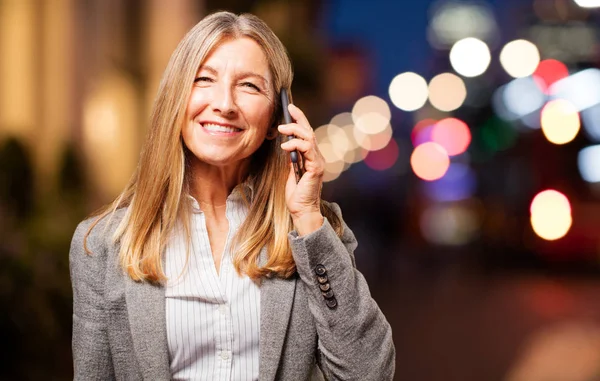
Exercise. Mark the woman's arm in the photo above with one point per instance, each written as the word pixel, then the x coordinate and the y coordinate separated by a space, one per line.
pixel 91 353
pixel 355 339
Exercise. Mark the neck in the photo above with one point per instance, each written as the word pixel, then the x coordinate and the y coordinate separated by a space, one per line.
pixel 211 185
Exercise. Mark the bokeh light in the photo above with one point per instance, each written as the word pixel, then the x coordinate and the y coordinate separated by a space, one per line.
pixel 340 142
pixel 549 72
pixel 591 122
pixel 470 57
pixel 421 132
pixel 449 224
pixel 560 121
pixel 452 21
pixel 588 3
pixel 429 161
pixel 519 58
pixel 373 142
pixel 408 91
pixel 371 114
pixel 384 158
pixel 457 184
pixel 551 215
pixel 333 165
pixel 588 162
pixel 581 89
pixel 496 135
pixel 522 96
pixel 355 152
pixel 452 134
pixel 342 119
pixel 447 92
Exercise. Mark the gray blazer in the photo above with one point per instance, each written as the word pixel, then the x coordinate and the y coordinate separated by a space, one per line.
pixel 119 328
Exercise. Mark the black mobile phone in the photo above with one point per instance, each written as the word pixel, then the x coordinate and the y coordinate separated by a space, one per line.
pixel 295 156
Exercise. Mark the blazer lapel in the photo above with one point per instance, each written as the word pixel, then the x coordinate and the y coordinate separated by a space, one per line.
pixel 276 300
pixel 147 319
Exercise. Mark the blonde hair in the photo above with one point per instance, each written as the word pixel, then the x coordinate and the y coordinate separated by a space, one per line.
pixel 155 197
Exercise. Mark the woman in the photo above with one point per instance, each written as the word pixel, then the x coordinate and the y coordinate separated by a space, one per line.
pixel 214 264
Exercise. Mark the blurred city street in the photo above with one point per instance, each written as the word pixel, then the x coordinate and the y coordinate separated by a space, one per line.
pixel 514 327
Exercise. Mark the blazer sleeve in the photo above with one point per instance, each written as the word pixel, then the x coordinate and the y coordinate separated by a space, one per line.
pixel 354 338
pixel 91 352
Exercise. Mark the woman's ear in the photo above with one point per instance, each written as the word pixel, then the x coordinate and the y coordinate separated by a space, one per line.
pixel 272 133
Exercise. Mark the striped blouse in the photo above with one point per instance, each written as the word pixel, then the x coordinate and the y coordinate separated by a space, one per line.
pixel 213 320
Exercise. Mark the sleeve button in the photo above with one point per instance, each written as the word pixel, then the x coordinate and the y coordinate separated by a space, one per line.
pixel 328 294
pixel 320 270
pixel 322 279
pixel 331 303
pixel 325 287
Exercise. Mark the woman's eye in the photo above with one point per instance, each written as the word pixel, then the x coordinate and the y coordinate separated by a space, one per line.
pixel 251 85
pixel 202 79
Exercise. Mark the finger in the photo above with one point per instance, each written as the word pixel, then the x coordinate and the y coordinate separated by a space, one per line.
pixel 299 116
pixel 296 130
pixel 311 156
pixel 304 147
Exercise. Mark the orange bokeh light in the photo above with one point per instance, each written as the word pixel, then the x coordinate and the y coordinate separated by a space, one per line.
pixel 430 161
pixel 452 134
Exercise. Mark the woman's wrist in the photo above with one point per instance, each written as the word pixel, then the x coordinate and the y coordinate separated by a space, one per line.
pixel 307 223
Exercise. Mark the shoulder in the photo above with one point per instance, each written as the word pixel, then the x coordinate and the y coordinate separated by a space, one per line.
pixel 96 234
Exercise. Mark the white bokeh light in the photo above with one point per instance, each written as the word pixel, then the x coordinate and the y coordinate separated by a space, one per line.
pixel 470 57
pixel 580 88
pixel 520 58
pixel 371 114
pixel 588 162
pixel 454 20
pixel 408 91
pixel 522 96
pixel 588 3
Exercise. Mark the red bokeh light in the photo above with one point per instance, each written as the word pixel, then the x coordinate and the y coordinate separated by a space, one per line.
pixel 421 132
pixel 548 72
pixel 452 134
pixel 384 158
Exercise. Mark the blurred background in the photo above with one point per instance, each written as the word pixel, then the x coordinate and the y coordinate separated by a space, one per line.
pixel 462 141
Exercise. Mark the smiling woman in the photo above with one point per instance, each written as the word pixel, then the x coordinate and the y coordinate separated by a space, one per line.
pixel 230 108
pixel 214 263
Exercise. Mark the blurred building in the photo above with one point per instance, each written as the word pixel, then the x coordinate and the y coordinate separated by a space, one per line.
pixel 83 74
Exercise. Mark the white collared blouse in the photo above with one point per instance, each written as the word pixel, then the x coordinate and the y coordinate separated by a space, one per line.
pixel 213 320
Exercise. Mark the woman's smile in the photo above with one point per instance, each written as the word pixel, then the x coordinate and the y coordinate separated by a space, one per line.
pixel 221 130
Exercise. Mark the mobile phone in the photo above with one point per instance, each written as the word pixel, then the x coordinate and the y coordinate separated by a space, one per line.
pixel 295 156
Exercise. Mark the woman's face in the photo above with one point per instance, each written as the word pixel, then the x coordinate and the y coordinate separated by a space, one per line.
pixel 231 104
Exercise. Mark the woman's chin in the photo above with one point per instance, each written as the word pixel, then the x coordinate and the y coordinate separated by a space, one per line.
pixel 221 160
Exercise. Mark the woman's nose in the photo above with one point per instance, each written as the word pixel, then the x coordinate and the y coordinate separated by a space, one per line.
pixel 224 100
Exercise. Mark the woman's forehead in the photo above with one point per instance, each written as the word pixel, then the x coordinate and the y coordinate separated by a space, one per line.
pixel 241 55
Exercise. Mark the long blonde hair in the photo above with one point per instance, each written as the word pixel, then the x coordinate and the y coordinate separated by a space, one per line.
pixel 154 197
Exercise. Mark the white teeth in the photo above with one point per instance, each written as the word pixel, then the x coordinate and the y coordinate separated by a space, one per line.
pixel 217 128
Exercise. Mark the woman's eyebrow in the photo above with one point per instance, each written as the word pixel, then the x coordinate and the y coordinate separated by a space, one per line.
pixel 208 68
pixel 242 74
pixel 246 74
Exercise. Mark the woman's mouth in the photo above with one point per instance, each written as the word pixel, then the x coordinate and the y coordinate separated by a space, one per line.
pixel 217 129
